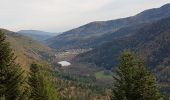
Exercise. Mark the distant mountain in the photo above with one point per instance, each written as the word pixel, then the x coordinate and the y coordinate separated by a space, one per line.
pixel 26 49
pixel 151 42
pixel 91 35
pixel 37 35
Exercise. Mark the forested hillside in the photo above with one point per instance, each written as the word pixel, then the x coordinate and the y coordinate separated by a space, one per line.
pixel 15 84
pixel 91 35
pixel 150 41
pixel 26 49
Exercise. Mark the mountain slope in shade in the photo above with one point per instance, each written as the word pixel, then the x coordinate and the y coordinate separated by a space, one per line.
pixel 151 42
pixel 26 49
pixel 89 35
pixel 37 35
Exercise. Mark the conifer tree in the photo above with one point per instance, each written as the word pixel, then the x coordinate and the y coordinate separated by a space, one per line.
pixel 133 81
pixel 41 86
pixel 11 78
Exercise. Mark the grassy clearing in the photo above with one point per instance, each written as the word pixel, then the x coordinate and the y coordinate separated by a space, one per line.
pixel 103 75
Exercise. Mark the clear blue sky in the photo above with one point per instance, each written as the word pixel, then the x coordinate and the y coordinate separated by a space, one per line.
pixel 62 15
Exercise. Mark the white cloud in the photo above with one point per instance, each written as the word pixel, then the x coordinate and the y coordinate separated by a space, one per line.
pixel 61 15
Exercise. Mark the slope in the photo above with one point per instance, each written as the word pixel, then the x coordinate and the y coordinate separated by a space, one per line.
pixel 88 36
pixel 150 42
pixel 26 49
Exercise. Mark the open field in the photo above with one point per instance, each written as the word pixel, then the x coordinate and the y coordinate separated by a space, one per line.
pixel 103 75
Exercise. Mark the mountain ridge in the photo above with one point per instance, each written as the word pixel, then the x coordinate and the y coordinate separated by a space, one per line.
pixel 37 34
pixel 149 42
pixel 82 36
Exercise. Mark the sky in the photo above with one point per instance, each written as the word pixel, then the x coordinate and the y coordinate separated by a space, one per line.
pixel 63 15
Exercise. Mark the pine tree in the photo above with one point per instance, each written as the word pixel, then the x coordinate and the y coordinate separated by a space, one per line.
pixel 133 81
pixel 41 86
pixel 11 78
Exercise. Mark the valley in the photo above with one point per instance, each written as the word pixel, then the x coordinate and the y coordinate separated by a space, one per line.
pixel 78 68
pixel 101 60
pixel 147 34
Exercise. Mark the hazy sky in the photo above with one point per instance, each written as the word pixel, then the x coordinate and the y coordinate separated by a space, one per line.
pixel 62 15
